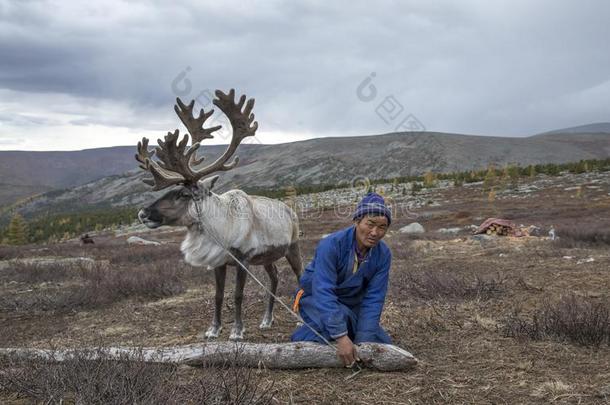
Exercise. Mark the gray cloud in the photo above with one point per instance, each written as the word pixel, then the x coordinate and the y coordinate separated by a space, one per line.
pixel 26 120
pixel 495 68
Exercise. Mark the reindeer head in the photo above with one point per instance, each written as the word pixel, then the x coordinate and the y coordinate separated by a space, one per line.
pixel 177 160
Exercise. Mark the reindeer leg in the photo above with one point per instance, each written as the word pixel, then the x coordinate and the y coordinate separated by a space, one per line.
pixel 268 317
pixel 294 259
pixel 220 274
pixel 237 333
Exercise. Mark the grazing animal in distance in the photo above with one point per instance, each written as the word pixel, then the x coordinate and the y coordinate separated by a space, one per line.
pixel 86 239
pixel 256 230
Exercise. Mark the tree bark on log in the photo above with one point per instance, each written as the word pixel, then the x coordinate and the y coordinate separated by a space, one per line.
pixel 293 355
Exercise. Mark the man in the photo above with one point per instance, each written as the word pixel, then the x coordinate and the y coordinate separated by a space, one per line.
pixel 343 289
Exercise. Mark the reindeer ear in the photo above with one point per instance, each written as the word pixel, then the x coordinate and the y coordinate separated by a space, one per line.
pixel 207 183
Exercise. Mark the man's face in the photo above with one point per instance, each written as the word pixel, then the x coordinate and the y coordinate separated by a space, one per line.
pixel 370 230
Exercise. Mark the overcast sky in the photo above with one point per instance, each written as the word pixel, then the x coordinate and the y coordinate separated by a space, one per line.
pixel 84 74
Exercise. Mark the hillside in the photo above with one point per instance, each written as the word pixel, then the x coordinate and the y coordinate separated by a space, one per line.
pixel 316 161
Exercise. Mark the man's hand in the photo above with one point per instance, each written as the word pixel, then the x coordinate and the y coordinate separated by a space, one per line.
pixel 346 351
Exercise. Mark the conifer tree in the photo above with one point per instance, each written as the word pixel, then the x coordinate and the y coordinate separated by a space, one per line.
pixel 17 231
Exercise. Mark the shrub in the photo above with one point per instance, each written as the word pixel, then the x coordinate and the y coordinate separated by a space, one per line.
pixel 32 273
pixel 11 252
pixel 137 255
pixel 157 280
pixel 438 284
pixel 101 286
pixel 583 235
pixel 573 319
pixel 129 380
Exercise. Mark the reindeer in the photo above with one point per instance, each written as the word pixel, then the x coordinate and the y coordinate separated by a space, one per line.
pixel 256 230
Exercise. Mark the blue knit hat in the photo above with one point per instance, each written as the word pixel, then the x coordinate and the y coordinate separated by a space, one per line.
pixel 372 204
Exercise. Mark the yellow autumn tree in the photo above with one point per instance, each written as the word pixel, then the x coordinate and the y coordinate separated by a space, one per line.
pixel 429 180
pixel 490 178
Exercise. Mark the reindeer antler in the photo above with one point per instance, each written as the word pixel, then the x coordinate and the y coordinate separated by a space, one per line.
pixel 195 125
pixel 177 160
pixel 162 178
pixel 243 126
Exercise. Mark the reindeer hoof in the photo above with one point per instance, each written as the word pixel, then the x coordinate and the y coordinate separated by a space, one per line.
pixel 237 334
pixel 213 332
pixel 266 323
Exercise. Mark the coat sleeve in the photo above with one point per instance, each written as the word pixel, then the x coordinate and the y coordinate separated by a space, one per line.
pixel 324 284
pixel 372 302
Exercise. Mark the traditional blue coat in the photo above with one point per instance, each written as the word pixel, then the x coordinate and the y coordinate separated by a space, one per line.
pixel 338 301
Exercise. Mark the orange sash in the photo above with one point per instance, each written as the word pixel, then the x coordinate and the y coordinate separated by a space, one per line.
pixel 297 298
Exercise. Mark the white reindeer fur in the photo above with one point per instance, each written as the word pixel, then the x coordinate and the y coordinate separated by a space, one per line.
pixel 250 224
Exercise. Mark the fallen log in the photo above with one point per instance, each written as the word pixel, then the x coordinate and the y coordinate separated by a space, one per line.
pixel 293 355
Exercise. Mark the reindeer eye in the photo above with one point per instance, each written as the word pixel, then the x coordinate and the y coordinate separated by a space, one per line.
pixel 185 194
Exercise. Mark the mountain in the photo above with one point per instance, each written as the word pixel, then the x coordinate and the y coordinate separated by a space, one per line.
pixel 596 128
pixel 24 174
pixel 64 169
pixel 315 161
pixel 332 160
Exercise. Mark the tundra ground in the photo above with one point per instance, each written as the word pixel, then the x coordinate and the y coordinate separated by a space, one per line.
pixel 463 306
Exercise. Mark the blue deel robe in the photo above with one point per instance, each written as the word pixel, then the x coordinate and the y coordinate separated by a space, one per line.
pixel 337 301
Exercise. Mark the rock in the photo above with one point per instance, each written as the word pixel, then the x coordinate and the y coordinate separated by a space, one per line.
pixel 135 240
pixel 131 229
pixel 534 230
pixel 451 231
pixel 482 237
pixel 412 228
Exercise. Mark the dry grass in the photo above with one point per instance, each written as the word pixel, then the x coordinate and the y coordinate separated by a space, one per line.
pixel 448 304
pixel 551 390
